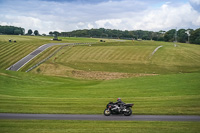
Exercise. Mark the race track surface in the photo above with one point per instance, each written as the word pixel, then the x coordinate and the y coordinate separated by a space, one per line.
pixel 100 117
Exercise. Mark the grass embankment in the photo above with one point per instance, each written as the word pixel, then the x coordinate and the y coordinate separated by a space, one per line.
pixel 122 59
pixel 11 52
pixel 46 126
pixel 162 94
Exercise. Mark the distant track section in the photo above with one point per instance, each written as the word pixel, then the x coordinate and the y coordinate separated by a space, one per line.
pixel 155 51
pixel 36 52
pixel 100 117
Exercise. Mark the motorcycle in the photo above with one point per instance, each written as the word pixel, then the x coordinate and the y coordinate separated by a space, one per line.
pixel 112 108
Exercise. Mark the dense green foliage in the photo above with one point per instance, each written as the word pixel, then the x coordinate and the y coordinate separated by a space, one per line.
pixel 11 30
pixel 30 32
pixel 195 36
pixel 36 32
pixel 168 36
pixel 109 33
pixel 182 36
pixel 53 126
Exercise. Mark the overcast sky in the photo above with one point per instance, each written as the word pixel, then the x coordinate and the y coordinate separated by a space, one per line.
pixel 68 15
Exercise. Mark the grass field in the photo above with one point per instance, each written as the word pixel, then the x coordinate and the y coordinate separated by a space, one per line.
pixel 161 94
pixel 46 126
pixel 77 83
pixel 156 84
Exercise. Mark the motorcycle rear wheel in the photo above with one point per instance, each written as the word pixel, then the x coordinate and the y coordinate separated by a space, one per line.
pixel 128 112
pixel 107 112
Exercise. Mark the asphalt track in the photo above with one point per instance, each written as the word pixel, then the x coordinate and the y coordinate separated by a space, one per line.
pixel 99 117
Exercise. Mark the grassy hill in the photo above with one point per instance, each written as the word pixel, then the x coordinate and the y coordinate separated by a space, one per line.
pixel 155 83
pixel 122 59
pixel 113 59
pixel 11 52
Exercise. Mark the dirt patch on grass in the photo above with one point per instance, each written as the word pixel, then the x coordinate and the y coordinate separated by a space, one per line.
pixel 63 71
pixel 104 75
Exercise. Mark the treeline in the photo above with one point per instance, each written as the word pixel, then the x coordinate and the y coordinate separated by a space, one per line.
pixel 182 35
pixel 109 33
pixel 11 30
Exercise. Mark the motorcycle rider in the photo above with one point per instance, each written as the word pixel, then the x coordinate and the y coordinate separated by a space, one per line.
pixel 120 104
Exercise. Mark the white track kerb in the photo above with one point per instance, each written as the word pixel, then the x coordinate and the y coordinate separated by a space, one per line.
pixel 155 51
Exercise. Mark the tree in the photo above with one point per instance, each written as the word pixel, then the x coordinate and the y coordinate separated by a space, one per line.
pixel 56 33
pixel 36 32
pixel 11 30
pixel 51 33
pixel 195 36
pixel 169 35
pixel 17 32
pixel 30 32
pixel 182 35
pixel 22 31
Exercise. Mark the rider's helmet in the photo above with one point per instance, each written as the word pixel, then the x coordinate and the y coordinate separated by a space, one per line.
pixel 119 99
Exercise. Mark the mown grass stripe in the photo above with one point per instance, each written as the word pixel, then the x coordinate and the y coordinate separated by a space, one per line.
pixel 8 60
pixel 17 50
pixel 11 51
pixel 7 49
pixel 98 54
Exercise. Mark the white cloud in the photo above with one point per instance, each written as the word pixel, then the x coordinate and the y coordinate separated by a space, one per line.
pixel 168 17
pixel 46 16
pixel 108 22
pixel 90 26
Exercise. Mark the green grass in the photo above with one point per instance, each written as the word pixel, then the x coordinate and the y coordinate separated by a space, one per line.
pixel 112 56
pixel 53 126
pixel 11 52
pixel 125 57
pixel 174 91
pixel 161 94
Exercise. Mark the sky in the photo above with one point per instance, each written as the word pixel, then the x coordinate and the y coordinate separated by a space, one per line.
pixel 68 15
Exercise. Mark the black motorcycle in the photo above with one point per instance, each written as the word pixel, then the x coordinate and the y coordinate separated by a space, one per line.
pixel 113 108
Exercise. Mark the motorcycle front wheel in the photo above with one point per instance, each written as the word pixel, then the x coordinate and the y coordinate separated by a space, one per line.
pixel 107 112
pixel 128 112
